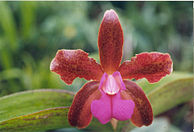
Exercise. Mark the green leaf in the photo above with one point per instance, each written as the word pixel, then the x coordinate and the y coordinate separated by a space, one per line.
pixel 38 110
pixel 170 95
pixel 170 91
pixel 39 121
pixel 41 110
pixel 28 102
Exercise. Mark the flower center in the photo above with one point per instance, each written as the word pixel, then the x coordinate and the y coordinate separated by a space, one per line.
pixel 111 84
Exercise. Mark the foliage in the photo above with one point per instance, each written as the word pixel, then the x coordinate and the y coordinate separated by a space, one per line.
pixel 32 32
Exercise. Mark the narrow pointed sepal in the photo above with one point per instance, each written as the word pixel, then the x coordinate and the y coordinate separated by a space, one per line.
pixel 110 42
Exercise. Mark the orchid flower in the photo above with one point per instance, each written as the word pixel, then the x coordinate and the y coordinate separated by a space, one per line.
pixel 110 94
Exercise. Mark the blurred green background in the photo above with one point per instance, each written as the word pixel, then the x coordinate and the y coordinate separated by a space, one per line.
pixel 32 32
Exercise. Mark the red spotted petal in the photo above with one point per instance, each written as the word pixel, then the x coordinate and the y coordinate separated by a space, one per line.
pixel 75 63
pixel 80 111
pixel 142 114
pixel 110 42
pixel 153 66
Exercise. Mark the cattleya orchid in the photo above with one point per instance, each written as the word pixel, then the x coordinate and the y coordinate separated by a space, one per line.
pixel 110 94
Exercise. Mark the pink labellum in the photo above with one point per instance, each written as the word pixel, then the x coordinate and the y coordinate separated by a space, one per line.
pixel 110 105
